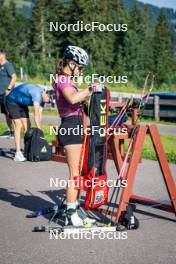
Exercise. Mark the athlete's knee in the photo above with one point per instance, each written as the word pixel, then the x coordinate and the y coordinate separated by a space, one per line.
pixel 17 124
pixel 73 169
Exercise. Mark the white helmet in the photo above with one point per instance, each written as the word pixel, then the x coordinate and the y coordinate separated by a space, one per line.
pixel 77 54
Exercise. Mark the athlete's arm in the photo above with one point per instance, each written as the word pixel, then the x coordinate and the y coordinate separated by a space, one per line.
pixel 75 97
pixel 11 72
pixel 11 84
pixel 37 115
pixel 40 111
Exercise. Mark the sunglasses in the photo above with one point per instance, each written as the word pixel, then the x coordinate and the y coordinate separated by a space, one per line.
pixel 80 67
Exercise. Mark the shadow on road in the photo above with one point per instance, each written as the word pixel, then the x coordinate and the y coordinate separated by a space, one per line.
pixel 30 202
pixel 8 153
pixel 34 203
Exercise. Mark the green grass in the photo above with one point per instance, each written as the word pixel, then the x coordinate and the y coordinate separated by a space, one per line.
pixel 148 152
pixel 168 142
pixel 151 120
pixel 3 127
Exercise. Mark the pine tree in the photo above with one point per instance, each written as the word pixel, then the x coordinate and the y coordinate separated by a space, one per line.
pixel 119 15
pixel 7 31
pixel 40 30
pixel 163 51
pixel 138 49
pixel 14 33
pixel 57 12
pixel 98 44
pixel 145 47
pixel 46 44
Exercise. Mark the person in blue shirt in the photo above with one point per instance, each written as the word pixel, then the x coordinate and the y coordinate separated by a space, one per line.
pixel 17 103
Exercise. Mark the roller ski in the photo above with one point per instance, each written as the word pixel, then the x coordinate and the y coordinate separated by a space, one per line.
pixel 59 210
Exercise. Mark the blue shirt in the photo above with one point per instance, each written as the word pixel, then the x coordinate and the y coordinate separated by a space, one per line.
pixel 26 94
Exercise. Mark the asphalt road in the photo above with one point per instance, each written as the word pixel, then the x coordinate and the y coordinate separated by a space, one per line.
pixel 26 187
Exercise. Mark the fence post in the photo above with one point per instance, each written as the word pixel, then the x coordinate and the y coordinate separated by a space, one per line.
pixel 156 108
pixel 21 73
pixel 120 98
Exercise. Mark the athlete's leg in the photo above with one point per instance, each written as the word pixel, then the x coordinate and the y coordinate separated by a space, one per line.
pixel 24 114
pixel 73 156
pixel 17 132
pixel 26 123
pixel 9 122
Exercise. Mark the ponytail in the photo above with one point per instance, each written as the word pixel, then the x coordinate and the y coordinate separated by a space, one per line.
pixel 59 69
pixel 61 65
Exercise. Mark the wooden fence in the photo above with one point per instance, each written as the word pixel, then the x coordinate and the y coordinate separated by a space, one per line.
pixel 156 108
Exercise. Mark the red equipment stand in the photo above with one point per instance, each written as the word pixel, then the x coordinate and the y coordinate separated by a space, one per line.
pixel 116 152
pixel 127 195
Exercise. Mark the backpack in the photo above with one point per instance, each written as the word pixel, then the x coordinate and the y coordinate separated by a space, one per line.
pixel 36 148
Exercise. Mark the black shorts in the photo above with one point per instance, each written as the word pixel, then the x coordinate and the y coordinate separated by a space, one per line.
pixel 17 111
pixel 3 105
pixel 70 131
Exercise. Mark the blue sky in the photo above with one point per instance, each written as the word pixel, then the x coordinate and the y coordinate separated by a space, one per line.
pixel 161 3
